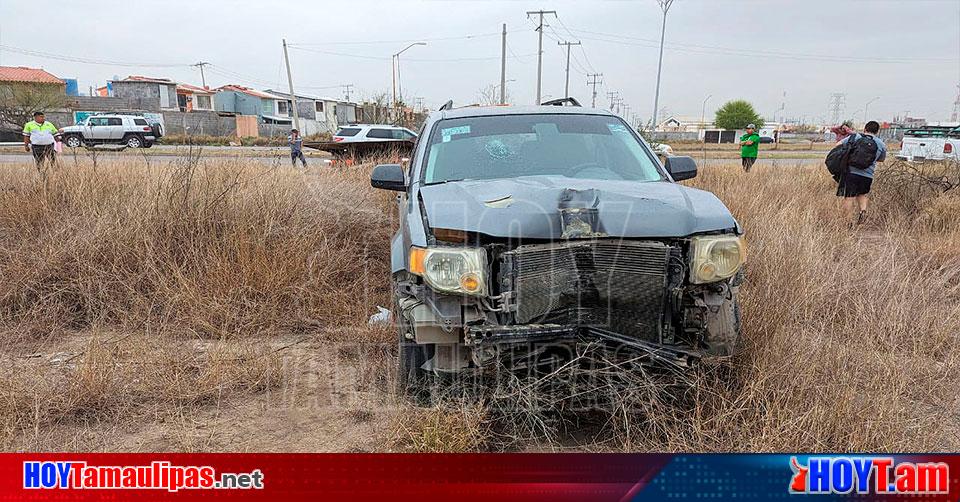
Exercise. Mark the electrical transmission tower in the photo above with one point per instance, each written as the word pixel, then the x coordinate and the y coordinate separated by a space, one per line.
pixel 837 102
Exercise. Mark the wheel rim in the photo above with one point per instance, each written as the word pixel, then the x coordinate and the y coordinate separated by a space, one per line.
pixel 133 142
pixel 73 142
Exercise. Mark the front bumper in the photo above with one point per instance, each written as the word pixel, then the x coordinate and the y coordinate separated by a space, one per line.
pixel 488 342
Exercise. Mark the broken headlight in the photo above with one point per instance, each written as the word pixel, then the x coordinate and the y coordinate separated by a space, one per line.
pixel 713 258
pixel 451 270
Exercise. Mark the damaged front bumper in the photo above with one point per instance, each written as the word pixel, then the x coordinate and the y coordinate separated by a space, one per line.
pixel 489 343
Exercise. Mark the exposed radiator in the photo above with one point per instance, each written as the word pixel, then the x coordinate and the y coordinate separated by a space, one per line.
pixel 613 284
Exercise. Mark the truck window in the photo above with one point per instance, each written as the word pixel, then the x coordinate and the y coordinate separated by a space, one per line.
pixel 140 122
pixel 114 121
pixel 347 132
pixel 380 134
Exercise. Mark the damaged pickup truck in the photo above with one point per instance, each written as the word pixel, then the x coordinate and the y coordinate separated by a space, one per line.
pixel 525 226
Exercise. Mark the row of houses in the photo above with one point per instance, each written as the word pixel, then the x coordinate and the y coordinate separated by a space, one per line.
pixel 317 114
pixel 231 109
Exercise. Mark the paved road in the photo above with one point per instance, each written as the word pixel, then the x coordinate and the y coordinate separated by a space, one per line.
pixel 270 156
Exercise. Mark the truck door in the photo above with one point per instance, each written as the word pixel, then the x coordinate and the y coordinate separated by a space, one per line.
pixel 97 129
pixel 115 126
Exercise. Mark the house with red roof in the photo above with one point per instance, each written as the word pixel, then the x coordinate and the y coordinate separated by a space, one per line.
pixel 24 76
pixel 192 98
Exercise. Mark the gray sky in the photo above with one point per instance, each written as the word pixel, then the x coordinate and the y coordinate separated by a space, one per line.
pixel 907 52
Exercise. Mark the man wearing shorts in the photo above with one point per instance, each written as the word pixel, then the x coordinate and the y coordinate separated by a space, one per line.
pixel 749 144
pixel 855 185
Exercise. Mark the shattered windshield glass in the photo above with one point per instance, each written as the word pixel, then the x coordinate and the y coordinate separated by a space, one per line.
pixel 508 146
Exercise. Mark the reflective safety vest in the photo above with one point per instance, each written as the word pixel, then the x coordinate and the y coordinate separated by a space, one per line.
pixel 40 134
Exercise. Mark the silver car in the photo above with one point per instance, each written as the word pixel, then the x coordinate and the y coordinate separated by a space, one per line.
pixel 133 131
pixel 357 133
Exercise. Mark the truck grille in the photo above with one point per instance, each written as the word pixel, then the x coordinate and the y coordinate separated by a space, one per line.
pixel 617 285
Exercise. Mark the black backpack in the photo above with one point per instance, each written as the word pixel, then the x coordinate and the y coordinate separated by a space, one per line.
pixel 859 151
pixel 864 152
pixel 838 160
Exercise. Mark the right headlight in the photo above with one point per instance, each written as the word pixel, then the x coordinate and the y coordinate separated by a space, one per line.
pixel 713 258
pixel 451 270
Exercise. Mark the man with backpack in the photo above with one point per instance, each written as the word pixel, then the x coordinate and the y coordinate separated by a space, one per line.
pixel 852 164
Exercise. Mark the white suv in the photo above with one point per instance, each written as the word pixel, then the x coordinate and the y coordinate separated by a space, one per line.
pixel 132 131
pixel 357 133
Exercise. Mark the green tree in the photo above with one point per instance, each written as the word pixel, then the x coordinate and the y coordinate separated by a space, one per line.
pixel 737 114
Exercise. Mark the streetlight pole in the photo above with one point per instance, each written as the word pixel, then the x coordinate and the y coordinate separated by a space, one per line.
pixel 703 115
pixel 866 107
pixel 397 83
pixel 665 6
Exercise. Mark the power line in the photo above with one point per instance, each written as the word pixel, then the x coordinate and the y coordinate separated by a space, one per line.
pixel 715 49
pixel 369 42
pixel 74 59
pixel 385 58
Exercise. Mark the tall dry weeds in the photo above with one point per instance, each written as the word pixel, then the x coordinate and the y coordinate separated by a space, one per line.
pixel 132 289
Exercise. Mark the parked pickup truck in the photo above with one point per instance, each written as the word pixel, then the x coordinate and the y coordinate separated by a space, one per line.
pixel 930 143
pixel 132 131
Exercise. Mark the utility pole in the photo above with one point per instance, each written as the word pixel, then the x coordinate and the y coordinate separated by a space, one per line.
pixel 566 87
pixel 293 97
pixel 540 46
pixel 665 6
pixel 346 91
pixel 201 64
pixel 866 107
pixel 503 66
pixel 594 80
pixel 612 96
pixel 955 116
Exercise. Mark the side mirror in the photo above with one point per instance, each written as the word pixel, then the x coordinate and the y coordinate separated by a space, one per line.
pixel 681 168
pixel 388 177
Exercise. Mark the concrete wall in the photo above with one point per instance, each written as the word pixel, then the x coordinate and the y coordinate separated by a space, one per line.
pixel 112 104
pixel 199 122
pixel 274 130
pixel 147 90
pixel 673 136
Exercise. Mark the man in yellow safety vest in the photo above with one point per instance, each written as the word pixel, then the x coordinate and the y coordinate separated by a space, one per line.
pixel 39 136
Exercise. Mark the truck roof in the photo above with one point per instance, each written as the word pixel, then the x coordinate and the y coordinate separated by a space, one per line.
pixel 493 111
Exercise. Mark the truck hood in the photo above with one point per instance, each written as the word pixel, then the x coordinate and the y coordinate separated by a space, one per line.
pixel 527 207
pixel 73 128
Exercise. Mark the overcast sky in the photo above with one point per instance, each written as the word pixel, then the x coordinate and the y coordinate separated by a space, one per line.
pixel 793 54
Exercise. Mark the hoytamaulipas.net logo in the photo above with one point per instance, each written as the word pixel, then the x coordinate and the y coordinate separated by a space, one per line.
pixel 873 475
pixel 159 475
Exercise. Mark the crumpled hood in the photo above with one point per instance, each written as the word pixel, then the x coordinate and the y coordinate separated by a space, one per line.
pixel 528 207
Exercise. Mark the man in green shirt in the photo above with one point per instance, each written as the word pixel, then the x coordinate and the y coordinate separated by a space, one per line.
pixel 39 136
pixel 748 147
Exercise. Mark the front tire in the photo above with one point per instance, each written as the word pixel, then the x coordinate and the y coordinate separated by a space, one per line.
pixel 412 380
pixel 73 141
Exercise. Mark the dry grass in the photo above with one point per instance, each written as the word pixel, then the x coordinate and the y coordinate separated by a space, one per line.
pixel 143 294
pixel 131 291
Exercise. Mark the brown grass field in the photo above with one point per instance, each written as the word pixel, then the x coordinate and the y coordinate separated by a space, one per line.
pixel 221 306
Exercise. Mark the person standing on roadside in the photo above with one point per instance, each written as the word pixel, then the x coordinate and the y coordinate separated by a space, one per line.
pixel 749 145
pixel 296 148
pixel 854 186
pixel 39 137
